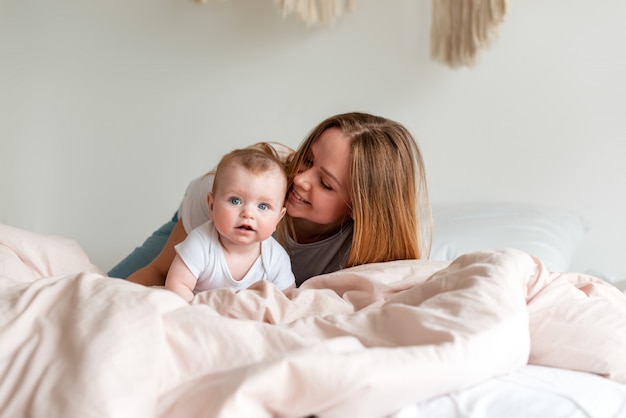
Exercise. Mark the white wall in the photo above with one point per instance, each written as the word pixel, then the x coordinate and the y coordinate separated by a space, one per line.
pixel 109 107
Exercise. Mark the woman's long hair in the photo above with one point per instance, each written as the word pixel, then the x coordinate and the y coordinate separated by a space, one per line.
pixel 389 195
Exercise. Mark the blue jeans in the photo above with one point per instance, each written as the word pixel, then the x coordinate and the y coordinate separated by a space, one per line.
pixel 143 255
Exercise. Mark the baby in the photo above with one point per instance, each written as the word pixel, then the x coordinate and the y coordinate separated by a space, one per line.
pixel 236 248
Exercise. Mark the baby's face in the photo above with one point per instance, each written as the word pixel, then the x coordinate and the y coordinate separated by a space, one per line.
pixel 246 207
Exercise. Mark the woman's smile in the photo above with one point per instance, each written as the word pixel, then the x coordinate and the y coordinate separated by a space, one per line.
pixel 296 198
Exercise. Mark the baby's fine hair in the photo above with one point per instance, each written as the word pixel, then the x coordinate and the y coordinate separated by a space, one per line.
pixel 259 160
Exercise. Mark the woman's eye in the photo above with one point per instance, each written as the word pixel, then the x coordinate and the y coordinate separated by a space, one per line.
pixel 325 185
pixel 235 200
pixel 264 206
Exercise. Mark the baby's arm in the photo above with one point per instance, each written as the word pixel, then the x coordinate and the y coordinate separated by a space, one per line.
pixel 180 279
pixel 293 286
pixel 284 277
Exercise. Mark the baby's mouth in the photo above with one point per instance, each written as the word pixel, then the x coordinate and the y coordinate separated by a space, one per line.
pixel 245 227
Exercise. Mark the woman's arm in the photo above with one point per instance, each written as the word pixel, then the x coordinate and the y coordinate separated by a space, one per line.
pixel 154 274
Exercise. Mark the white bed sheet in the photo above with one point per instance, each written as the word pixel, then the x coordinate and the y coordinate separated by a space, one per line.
pixel 533 391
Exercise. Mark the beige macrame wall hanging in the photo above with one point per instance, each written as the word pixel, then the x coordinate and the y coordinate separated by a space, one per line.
pixel 315 11
pixel 459 28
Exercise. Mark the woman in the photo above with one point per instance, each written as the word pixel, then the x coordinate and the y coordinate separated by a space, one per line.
pixel 357 195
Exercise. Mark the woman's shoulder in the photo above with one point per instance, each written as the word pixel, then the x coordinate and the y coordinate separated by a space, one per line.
pixel 193 209
pixel 282 151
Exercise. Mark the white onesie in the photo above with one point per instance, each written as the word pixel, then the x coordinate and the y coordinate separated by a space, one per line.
pixel 202 253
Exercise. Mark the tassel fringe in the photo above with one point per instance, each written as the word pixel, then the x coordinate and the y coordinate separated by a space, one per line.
pixel 460 28
pixel 314 12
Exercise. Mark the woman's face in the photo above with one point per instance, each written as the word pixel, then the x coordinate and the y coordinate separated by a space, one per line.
pixel 319 200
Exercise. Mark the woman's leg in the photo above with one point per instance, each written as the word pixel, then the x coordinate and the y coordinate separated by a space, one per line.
pixel 144 254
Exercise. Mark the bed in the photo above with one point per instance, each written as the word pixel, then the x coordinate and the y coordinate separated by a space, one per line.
pixel 469 333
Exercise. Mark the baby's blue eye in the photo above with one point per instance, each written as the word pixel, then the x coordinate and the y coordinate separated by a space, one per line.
pixel 264 206
pixel 235 200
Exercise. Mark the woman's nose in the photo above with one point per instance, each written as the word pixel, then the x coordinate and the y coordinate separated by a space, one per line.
pixel 302 180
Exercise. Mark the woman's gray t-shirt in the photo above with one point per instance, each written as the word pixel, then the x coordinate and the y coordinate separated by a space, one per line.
pixel 325 256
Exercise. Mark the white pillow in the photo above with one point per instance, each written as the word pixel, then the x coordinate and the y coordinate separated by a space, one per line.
pixel 553 235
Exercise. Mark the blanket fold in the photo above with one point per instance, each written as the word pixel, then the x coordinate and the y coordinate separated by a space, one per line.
pixel 364 341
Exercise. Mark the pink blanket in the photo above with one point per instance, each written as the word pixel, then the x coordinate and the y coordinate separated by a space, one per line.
pixel 361 342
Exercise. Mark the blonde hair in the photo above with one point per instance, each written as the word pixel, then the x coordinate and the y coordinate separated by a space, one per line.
pixel 257 159
pixel 389 195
